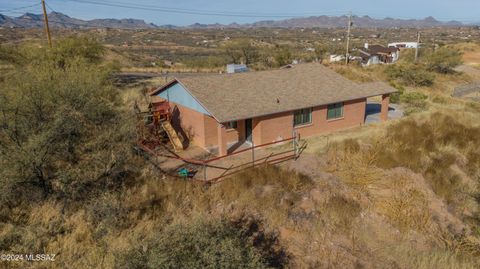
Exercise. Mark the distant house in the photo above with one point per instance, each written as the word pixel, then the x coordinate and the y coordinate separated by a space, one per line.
pixel 236 68
pixel 403 45
pixel 377 54
pixel 220 110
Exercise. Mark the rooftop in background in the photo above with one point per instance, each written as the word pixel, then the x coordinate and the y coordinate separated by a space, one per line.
pixel 377 49
pixel 239 96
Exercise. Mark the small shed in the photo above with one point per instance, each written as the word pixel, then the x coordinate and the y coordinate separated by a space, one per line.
pixel 236 68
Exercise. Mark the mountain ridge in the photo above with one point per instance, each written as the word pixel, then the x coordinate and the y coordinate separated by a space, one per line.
pixel 60 20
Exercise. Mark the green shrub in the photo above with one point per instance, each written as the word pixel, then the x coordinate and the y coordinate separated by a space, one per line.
pixel 443 60
pixel 207 244
pixel 59 131
pixel 414 101
pixel 283 56
pixel 395 97
pixel 410 75
pixel 413 97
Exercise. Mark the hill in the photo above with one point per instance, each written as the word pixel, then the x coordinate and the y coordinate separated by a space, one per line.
pixel 60 20
pixel 363 22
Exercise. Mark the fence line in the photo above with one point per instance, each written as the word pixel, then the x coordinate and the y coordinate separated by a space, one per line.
pixel 228 171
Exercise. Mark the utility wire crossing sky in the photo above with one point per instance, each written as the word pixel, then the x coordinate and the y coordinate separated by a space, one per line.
pixel 247 11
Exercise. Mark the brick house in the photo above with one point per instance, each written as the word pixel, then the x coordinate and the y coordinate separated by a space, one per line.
pixel 220 110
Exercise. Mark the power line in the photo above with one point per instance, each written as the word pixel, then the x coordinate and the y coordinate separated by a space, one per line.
pixel 226 13
pixel 191 11
pixel 234 14
pixel 48 6
pixel 214 11
pixel 19 8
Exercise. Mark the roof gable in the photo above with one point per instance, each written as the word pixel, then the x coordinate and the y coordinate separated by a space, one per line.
pixel 177 93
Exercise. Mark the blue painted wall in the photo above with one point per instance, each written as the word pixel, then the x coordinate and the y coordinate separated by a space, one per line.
pixel 178 94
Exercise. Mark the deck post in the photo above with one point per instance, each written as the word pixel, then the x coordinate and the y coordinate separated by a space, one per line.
pixel 384 110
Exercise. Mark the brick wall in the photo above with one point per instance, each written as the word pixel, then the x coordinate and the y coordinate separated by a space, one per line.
pixel 280 126
pixel 353 115
pixel 269 128
pixel 191 122
pixel 273 128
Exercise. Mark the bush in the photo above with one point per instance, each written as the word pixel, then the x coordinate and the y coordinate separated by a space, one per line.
pixel 414 101
pixel 59 131
pixel 410 75
pixel 206 244
pixel 395 97
pixel 443 60
pixel 242 50
pixel 283 55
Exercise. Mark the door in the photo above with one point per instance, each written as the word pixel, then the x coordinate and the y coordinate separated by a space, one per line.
pixel 248 130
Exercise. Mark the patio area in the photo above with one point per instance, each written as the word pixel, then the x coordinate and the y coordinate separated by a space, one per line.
pixel 373 111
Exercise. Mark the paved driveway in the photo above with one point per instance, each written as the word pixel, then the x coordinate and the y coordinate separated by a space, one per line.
pixel 372 114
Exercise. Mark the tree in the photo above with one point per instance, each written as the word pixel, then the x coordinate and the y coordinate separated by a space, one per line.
pixel 242 50
pixel 321 52
pixel 283 56
pixel 59 131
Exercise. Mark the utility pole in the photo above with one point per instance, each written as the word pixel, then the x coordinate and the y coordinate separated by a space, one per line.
pixel 418 46
pixel 347 54
pixel 47 29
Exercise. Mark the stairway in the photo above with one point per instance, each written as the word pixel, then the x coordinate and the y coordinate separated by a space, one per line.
pixel 172 135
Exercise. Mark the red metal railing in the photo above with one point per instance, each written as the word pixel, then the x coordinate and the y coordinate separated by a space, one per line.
pixel 228 171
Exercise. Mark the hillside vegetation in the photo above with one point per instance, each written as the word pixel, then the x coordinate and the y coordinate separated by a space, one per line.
pixel 407 196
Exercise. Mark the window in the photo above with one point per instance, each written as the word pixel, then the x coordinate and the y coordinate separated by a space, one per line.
pixel 302 117
pixel 231 125
pixel 335 111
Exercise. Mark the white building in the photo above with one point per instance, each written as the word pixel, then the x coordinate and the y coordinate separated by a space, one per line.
pixel 337 58
pixel 404 45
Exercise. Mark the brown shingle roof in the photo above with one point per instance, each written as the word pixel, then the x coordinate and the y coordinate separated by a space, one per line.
pixel 378 49
pixel 239 96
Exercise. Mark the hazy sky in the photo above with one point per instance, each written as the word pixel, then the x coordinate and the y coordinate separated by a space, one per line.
pixel 242 11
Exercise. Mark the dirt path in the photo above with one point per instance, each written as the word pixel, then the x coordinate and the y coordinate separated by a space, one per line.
pixel 469 70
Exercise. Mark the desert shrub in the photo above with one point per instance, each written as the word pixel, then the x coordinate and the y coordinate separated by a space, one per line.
pixel 78 47
pixel 353 164
pixel 410 75
pixel 341 212
pixel 414 101
pixel 283 55
pixel 420 147
pixel 406 209
pixel 59 131
pixel 242 50
pixel 207 244
pixel 443 60
pixel 395 97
